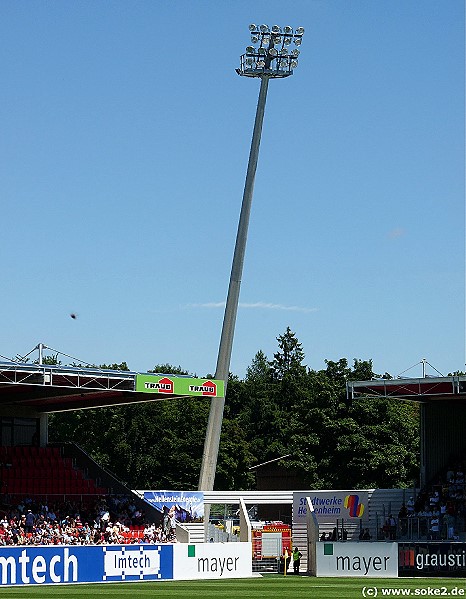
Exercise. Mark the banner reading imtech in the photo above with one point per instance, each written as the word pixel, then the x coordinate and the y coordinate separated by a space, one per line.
pixel 46 565
pixel 172 385
pixel 70 564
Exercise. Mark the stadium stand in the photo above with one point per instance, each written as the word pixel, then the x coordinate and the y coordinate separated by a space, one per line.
pixel 55 495
pixel 43 472
pixel 439 510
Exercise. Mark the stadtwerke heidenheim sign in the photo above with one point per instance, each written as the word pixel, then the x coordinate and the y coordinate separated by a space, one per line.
pixel 330 506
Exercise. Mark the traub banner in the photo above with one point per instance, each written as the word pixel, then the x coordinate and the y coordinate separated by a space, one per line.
pixel 330 506
pixel 173 385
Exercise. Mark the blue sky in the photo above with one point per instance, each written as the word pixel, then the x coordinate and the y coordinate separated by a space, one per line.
pixel 125 134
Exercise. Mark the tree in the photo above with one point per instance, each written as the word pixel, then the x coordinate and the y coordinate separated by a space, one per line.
pixel 281 407
pixel 260 370
pixel 288 360
pixel 341 444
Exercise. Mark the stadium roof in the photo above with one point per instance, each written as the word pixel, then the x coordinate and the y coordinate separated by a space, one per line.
pixel 425 389
pixel 62 388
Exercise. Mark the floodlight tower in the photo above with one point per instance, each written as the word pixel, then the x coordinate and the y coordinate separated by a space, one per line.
pixel 271 57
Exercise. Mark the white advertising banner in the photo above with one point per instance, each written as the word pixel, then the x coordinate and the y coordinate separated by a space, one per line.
pixel 212 560
pixel 330 506
pixel 357 559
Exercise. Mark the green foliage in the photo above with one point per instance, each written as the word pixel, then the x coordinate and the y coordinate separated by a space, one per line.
pixel 288 360
pixel 122 366
pixel 49 360
pixel 281 407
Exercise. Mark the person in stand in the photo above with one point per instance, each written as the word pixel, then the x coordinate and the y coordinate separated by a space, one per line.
pixel 172 522
pixel 364 535
pixel 402 519
pixel 392 527
pixel 434 527
pixel 29 521
pixel 166 522
pixel 297 555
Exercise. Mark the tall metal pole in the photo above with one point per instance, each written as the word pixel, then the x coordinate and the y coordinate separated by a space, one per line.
pixel 272 59
pixel 214 426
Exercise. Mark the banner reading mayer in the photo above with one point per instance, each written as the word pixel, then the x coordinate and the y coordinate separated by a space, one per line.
pixel 330 505
pixel 179 385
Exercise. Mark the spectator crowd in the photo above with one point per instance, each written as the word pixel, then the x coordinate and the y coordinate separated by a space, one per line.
pixel 110 520
pixel 440 510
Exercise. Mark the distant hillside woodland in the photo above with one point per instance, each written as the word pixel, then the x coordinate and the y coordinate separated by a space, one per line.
pixel 281 407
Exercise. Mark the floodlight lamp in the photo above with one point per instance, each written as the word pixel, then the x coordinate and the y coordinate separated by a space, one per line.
pixel 273 52
pixel 295 52
pixel 254 39
pixel 283 62
pixel 287 41
pixel 250 50
pixel 284 51
pixel 249 61
pixel 264 28
pixel 261 63
pixel 294 64
pixel 277 39
pixel 276 29
pixel 300 30
pixel 262 51
pixel 252 27
pixel 287 30
pixel 297 41
pixel 266 40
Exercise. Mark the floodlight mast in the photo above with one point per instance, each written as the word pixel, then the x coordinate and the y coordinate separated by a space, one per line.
pixel 271 59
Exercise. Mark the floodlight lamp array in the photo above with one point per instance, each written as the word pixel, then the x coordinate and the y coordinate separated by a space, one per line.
pixel 270 53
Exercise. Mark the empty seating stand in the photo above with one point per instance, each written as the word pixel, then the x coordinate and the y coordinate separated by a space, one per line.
pixel 42 471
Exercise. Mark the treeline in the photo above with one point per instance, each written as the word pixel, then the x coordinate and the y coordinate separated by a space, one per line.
pixel 280 408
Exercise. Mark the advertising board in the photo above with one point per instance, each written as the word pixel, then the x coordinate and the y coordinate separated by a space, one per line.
pixel 432 559
pixel 185 506
pixel 212 560
pixel 175 385
pixel 76 564
pixel 357 559
pixel 45 565
pixel 329 506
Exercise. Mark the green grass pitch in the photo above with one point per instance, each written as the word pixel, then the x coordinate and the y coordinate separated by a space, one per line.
pixel 279 587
